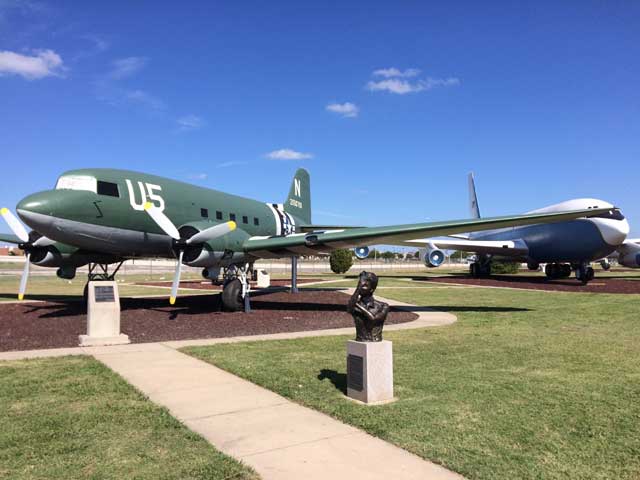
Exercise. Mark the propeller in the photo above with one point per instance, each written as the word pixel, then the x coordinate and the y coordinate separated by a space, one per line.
pixel 27 245
pixel 167 226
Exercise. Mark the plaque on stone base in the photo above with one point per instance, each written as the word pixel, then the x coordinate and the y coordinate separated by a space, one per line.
pixel 370 371
pixel 103 316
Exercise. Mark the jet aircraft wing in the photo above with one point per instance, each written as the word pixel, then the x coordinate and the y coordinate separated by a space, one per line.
pixel 322 242
pixel 505 248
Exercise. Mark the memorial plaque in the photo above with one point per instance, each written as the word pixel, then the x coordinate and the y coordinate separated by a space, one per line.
pixel 355 372
pixel 104 294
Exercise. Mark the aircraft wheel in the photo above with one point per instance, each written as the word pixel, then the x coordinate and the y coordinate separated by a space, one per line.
pixel 590 274
pixel 473 269
pixel 551 270
pixel 566 270
pixel 232 300
pixel 533 266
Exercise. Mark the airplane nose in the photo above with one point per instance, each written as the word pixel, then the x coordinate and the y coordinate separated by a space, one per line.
pixel 37 210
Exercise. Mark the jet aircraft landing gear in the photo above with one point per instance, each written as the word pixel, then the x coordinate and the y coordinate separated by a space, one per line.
pixel 557 270
pixel 584 273
pixel 235 290
pixel 99 272
pixel 480 269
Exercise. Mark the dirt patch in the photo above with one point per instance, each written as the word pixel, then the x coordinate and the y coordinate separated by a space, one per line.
pixel 26 326
pixel 597 285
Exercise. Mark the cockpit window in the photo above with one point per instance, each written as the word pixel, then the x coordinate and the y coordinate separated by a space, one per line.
pixel 108 188
pixel 77 182
pixel 613 215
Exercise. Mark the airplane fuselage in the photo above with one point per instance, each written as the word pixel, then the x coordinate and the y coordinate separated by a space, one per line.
pixel 103 210
pixel 575 241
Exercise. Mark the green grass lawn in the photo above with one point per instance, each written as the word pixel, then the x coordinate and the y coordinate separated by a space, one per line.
pixel 72 418
pixel 526 385
pixel 47 287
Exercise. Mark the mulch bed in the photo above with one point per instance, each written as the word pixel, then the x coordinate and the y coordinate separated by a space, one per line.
pixel 205 285
pixel 597 285
pixel 54 324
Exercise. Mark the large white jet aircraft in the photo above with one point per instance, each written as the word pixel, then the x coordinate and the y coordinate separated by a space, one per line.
pixel 564 246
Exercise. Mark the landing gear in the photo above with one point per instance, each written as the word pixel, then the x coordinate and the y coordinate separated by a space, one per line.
pixel 557 270
pixel 99 272
pixel 478 269
pixel 235 290
pixel 584 273
pixel 605 264
pixel 533 266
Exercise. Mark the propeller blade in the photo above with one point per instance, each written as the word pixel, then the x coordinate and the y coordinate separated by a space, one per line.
pixel 162 220
pixel 43 242
pixel 213 232
pixel 14 224
pixel 176 279
pixel 25 276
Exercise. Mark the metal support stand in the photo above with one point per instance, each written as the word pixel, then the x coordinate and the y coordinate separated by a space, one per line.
pixel 100 271
pixel 294 274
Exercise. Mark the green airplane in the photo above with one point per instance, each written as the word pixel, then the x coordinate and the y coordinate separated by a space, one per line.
pixel 102 217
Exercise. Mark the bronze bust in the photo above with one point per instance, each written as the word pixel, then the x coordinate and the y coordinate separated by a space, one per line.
pixel 368 313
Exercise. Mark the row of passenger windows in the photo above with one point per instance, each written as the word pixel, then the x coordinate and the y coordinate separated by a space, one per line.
pixel 111 190
pixel 204 213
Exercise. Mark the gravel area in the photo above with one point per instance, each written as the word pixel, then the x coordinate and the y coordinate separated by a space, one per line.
pixel 26 326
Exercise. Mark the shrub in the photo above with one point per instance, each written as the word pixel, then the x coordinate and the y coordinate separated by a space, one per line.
pixel 505 267
pixel 340 261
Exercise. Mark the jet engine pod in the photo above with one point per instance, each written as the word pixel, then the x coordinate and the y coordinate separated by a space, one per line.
pixel 433 257
pixel 629 255
pixel 361 252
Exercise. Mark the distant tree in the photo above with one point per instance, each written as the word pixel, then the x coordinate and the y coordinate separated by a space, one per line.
pixel 416 254
pixel 387 255
pixel 340 261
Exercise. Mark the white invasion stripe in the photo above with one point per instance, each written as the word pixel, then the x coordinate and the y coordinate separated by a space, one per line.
pixel 276 218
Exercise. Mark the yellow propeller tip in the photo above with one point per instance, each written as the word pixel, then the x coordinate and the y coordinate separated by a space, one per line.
pixel 232 225
pixel 172 300
pixel 20 296
pixel 148 205
pixel 4 211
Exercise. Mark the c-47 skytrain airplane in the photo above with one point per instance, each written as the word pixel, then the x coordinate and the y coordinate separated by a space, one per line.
pixel 563 246
pixel 103 217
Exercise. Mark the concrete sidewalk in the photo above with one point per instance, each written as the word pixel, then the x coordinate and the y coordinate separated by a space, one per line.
pixel 278 438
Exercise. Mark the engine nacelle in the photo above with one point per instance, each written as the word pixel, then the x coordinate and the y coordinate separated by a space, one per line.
pixel 629 255
pixel 432 257
pixel 361 252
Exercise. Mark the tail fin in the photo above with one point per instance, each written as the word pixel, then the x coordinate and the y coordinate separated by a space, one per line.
pixel 298 202
pixel 474 209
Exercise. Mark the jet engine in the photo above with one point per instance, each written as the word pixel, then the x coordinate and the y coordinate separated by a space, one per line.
pixel 361 252
pixel 629 255
pixel 432 257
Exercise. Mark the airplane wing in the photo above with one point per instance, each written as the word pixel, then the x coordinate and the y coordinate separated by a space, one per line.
pixel 513 248
pixel 9 238
pixel 323 228
pixel 322 242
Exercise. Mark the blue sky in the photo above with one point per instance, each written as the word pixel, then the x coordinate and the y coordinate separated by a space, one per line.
pixel 388 104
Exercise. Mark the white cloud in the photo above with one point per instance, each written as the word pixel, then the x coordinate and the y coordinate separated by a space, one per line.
pixel 230 164
pixel 126 67
pixel 394 72
pixel 401 87
pixel 43 63
pixel 145 99
pixel 190 122
pixel 288 154
pixel 197 176
pixel 346 109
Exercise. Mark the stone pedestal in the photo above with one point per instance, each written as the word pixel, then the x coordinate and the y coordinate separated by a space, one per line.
pixel 370 371
pixel 103 316
pixel 264 279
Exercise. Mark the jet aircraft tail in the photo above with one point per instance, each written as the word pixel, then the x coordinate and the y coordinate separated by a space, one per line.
pixel 474 209
pixel 298 202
